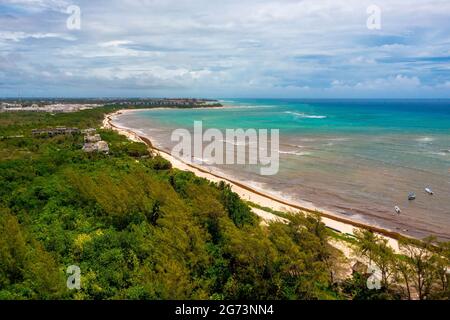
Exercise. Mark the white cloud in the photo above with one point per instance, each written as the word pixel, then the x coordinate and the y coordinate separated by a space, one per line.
pixel 40 5
pixel 17 36
pixel 397 82
pixel 292 46
pixel 114 43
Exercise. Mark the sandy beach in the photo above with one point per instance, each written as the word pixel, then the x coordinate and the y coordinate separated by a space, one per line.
pixel 330 219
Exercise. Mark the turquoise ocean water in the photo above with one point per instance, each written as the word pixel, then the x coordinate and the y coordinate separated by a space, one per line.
pixel 358 158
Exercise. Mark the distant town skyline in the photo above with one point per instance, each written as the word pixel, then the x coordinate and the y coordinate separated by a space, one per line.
pixel 212 49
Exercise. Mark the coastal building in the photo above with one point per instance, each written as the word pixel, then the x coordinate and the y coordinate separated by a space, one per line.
pixel 54 131
pixel 99 146
pixel 93 142
pixel 182 102
pixel 92 138
pixel 88 131
pixel 45 107
pixel 89 147
pixel 5 106
pixel 102 146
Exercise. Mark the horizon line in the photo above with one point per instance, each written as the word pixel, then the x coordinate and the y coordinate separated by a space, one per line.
pixel 217 98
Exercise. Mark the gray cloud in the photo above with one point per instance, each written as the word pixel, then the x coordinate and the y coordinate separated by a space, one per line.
pixel 230 48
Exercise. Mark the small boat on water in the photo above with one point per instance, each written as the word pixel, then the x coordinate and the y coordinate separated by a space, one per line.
pixel 397 210
pixel 411 196
pixel 429 191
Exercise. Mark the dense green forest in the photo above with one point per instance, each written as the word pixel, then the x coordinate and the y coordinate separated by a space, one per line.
pixel 139 229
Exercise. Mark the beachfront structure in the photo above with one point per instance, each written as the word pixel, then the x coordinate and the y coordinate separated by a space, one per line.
pixel 4 107
pixel 53 108
pixel 102 146
pixel 54 131
pixel 93 142
pixel 92 138
pixel 88 131
pixel 186 102
pixel 99 146
pixel 70 105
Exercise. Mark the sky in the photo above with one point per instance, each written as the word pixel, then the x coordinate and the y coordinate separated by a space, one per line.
pixel 225 49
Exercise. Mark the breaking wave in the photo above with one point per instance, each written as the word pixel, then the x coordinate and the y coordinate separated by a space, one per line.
pixel 304 115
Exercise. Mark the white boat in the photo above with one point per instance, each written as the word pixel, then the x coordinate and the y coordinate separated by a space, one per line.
pixel 429 191
pixel 411 196
pixel 397 210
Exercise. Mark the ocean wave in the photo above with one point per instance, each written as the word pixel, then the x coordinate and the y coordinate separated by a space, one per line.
pixel 256 184
pixel 246 106
pixel 151 129
pixel 304 115
pixel 292 145
pixel 339 139
pixel 443 153
pixel 235 143
pixel 425 139
pixel 265 188
pixel 295 153
pixel 204 161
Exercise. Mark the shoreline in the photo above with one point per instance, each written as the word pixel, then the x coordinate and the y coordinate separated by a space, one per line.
pixel 331 220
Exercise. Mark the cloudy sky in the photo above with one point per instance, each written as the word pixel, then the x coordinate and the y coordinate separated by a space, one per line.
pixel 232 48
